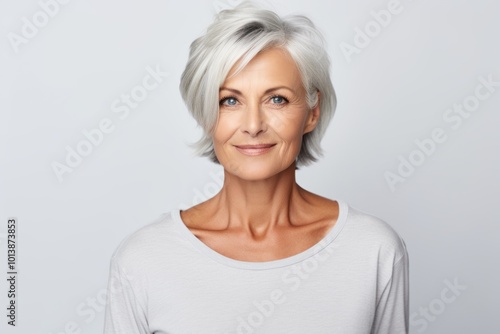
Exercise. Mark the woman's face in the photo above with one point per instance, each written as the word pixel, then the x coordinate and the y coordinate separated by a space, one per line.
pixel 264 104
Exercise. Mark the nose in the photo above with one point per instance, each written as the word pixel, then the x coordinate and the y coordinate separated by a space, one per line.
pixel 254 120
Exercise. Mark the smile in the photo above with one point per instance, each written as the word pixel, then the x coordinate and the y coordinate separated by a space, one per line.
pixel 254 149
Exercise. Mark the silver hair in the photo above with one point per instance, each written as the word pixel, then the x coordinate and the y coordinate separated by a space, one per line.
pixel 239 34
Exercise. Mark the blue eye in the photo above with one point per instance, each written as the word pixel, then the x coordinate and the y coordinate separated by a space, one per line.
pixel 278 99
pixel 229 101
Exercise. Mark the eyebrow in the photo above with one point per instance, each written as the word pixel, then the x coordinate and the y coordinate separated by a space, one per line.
pixel 235 91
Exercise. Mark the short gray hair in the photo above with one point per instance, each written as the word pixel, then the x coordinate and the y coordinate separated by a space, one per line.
pixel 240 34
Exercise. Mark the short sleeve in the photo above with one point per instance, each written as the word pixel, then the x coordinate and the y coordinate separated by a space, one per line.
pixel 392 312
pixel 125 311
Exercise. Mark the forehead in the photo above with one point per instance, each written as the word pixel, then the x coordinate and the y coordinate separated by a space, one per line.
pixel 272 65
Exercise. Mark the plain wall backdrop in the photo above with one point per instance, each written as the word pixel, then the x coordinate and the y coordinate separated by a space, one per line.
pixel 414 141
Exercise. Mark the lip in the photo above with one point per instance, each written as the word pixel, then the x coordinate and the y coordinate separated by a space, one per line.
pixel 254 149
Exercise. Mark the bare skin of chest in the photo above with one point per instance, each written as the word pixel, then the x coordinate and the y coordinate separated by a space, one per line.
pixel 275 241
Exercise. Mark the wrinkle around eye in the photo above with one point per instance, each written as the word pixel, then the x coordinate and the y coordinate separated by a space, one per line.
pixel 278 105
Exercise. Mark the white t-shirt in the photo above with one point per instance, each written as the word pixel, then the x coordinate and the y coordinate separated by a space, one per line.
pixel 163 279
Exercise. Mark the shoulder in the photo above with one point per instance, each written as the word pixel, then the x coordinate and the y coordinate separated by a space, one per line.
pixel 137 247
pixel 373 234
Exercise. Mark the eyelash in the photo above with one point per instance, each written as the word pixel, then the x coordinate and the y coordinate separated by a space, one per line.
pixel 221 101
pixel 225 98
pixel 280 96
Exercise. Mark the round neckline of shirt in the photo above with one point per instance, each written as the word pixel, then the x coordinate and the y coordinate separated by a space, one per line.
pixel 262 265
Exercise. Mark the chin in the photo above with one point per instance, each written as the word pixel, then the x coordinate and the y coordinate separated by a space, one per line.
pixel 256 171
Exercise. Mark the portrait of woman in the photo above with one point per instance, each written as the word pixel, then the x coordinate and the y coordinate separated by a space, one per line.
pixel 263 255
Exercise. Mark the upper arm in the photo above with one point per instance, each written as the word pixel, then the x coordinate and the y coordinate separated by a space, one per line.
pixel 392 311
pixel 125 305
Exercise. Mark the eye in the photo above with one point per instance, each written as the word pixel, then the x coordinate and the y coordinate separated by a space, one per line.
pixel 277 99
pixel 228 101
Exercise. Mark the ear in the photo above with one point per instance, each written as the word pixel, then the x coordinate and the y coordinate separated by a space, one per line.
pixel 312 117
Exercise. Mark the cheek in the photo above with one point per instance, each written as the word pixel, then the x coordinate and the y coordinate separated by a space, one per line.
pixel 224 129
pixel 277 122
pixel 288 127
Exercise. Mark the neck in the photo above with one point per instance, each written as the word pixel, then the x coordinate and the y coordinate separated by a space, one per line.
pixel 257 206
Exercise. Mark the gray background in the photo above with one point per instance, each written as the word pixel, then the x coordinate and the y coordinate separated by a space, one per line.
pixel 393 92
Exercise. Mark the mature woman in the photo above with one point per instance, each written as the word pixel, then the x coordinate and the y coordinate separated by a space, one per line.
pixel 263 255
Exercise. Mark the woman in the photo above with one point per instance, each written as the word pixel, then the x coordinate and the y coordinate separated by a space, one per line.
pixel 263 255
